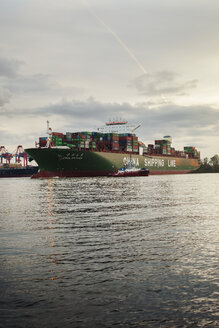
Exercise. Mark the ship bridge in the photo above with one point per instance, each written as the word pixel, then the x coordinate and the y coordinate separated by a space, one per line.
pixel 117 126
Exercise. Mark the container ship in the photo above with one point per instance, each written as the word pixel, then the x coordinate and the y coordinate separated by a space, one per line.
pixel 105 151
pixel 15 165
pixel 17 170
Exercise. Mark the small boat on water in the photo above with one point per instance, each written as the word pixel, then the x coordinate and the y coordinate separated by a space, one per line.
pixel 129 170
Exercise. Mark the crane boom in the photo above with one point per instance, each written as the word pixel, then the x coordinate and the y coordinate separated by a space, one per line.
pixel 138 126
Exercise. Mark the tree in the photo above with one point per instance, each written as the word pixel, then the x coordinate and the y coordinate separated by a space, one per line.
pixel 209 166
pixel 214 162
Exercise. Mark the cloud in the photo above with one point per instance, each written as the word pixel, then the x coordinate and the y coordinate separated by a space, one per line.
pixel 162 83
pixel 188 125
pixel 5 96
pixel 35 87
pixel 32 83
pixel 172 118
pixel 12 83
pixel 13 80
pixel 9 67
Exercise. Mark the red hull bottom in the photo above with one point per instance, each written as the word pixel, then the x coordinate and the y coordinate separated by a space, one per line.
pixel 71 174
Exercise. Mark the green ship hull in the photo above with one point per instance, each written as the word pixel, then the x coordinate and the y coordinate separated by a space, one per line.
pixel 66 162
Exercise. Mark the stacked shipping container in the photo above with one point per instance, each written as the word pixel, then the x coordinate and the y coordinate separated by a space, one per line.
pixel 93 140
pixel 191 152
pixel 123 142
pixel 163 146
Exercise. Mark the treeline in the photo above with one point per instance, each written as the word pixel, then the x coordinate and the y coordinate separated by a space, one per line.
pixel 209 165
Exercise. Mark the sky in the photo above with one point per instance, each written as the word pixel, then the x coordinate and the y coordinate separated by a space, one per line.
pixel 81 63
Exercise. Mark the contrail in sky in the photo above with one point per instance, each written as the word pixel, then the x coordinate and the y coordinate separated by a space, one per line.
pixel 124 46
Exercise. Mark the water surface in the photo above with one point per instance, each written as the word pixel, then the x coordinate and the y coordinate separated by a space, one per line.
pixel 109 252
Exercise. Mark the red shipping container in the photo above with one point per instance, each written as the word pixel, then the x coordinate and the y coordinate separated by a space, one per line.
pixel 58 134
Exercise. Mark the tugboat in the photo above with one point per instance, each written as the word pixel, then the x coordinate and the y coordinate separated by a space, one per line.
pixel 129 170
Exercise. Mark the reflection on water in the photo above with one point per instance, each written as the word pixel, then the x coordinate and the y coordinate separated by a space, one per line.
pixel 103 252
pixel 49 197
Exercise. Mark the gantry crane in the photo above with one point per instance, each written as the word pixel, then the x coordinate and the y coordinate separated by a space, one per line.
pixel 5 155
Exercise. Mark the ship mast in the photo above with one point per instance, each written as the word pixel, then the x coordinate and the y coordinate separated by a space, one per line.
pixel 49 132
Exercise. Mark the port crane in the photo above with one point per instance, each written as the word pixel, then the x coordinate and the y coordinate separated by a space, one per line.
pixel 20 153
pixel 5 155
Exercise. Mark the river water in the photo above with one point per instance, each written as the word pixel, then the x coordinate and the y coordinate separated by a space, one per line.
pixel 109 252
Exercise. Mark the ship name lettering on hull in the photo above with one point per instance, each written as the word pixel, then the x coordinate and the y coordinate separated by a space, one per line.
pixel 154 162
pixel 171 163
pixel 135 161
pixel 70 156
